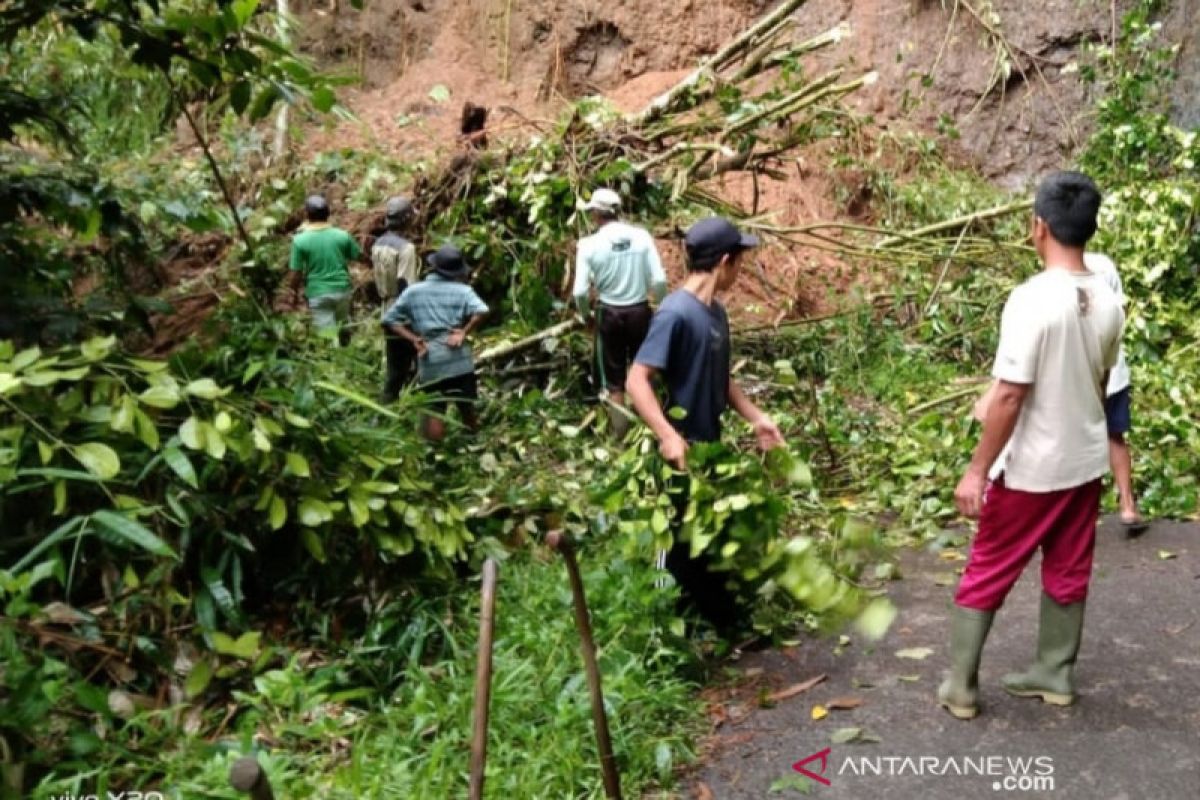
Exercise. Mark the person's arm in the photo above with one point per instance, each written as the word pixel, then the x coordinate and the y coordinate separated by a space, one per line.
pixel 296 276
pixel 474 310
pixel 764 427
pixel 1002 415
pixel 397 320
pixel 459 335
pixel 295 285
pixel 408 267
pixel 639 386
pixel 353 251
pixel 657 275
pixel 583 280
pixel 405 332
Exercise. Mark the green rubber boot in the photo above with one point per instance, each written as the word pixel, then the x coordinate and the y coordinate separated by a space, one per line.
pixel 959 693
pixel 1052 676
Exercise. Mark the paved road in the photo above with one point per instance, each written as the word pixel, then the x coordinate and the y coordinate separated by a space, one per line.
pixel 1134 733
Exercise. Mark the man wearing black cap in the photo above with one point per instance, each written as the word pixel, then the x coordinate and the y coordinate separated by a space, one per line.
pixel 436 316
pixel 394 260
pixel 688 345
pixel 320 255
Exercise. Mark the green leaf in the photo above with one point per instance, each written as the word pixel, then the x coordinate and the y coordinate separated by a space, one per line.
pixel 146 429
pixel 239 97
pixel 133 532
pixel 323 99
pixel 876 618
pixel 278 513
pixel 244 647
pixel 123 417
pixel 263 103
pixel 179 463
pixel 214 442
pixel 312 543
pixel 45 452
pixel 205 388
pixel 297 465
pixel 439 93
pixel 192 434
pixel 8 383
pixel 163 395
pixel 296 420
pixel 24 358
pixel 52 376
pixel 97 347
pixel 243 10
pixel 845 735
pixel 314 512
pixel 98 459
pixel 198 679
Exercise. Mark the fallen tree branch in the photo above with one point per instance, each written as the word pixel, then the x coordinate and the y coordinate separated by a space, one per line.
pixel 671 100
pixel 950 398
pixel 512 348
pixel 952 224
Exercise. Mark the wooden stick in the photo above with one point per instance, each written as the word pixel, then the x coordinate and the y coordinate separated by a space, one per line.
pixel 247 775
pixel 483 679
pixel 557 540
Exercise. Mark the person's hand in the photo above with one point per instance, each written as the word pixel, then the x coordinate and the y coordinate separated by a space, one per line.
pixel 421 347
pixel 969 494
pixel 674 450
pixel 456 338
pixel 768 433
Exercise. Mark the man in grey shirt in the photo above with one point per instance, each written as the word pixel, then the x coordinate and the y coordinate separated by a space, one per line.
pixel 394 260
pixel 622 263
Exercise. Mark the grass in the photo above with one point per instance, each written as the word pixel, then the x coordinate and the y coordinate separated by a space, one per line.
pixel 415 743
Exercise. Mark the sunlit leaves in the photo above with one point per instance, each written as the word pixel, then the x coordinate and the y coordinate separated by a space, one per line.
pixel 98 458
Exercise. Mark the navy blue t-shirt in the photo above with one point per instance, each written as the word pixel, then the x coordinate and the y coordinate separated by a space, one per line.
pixel 688 344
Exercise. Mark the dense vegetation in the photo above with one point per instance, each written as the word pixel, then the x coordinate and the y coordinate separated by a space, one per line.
pixel 234 550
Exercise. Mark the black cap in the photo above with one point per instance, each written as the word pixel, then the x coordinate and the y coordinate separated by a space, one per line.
pixel 398 209
pixel 711 238
pixel 448 262
pixel 316 203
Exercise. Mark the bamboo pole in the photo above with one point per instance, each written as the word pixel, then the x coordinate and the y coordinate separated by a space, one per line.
pixel 952 224
pixel 558 541
pixel 483 679
pixel 281 116
pixel 667 102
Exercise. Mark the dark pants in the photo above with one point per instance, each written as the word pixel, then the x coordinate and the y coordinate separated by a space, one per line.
pixel 401 357
pixel 703 590
pixel 620 331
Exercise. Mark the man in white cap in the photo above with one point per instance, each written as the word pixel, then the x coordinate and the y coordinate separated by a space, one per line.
pixel 622 263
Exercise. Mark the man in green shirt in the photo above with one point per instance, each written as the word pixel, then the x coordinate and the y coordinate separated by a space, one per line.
pixel 321 254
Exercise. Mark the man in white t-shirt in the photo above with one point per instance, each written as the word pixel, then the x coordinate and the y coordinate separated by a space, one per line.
pixel 1042 454
pixel 622 263
pixel 1117 410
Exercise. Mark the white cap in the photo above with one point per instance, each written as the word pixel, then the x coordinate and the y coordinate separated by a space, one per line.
pixel 604 200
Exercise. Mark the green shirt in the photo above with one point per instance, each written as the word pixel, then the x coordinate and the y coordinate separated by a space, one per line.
pixel 322 252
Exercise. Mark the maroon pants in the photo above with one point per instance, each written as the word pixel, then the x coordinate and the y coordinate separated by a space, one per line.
pixel 1013 525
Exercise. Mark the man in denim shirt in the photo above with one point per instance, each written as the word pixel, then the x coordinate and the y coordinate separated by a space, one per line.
pixel 436 316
